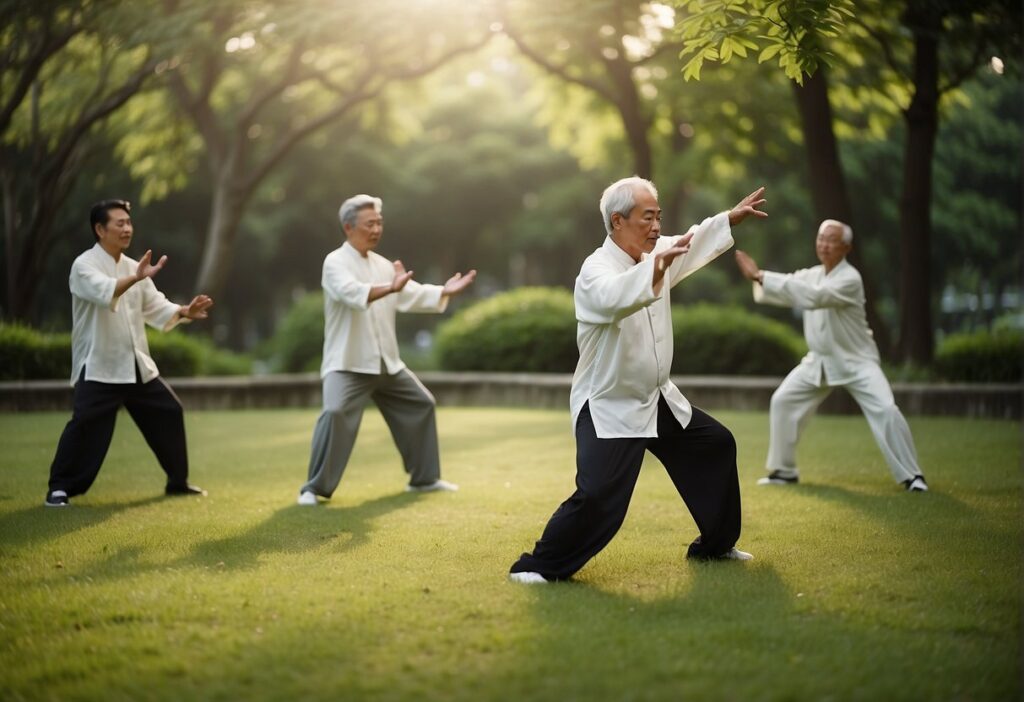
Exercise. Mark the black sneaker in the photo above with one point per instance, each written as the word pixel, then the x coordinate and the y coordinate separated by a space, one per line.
pixel 915 484
pixel 57 498
pixel 185 489
pixel 777 478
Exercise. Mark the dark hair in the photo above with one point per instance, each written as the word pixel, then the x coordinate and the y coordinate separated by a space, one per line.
pixel 100 212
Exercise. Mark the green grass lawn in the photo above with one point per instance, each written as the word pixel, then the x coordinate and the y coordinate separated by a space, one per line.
pixel 858 591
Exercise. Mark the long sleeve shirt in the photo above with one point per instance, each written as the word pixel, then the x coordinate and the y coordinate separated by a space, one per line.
pixel 835 326
pixel 108 336
pixel 360 335
pixel 624 333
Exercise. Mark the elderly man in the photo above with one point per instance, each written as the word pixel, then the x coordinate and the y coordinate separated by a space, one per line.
pixel 623 403
pixel 842 353
pixel 113 297
pixel 362 293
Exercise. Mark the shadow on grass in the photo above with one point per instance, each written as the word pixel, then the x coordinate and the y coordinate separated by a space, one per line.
pixel 34 525
pixel 292 529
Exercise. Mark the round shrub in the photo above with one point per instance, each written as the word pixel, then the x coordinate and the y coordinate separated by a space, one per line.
pixel 298 341
pixel 717 340
pixel 178 355
pixel 524 330
pixel 982 357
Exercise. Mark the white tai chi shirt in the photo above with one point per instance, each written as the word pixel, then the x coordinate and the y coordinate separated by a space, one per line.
pixel 624 333
pixel 835 325
pixel 108 334
pixel 360 335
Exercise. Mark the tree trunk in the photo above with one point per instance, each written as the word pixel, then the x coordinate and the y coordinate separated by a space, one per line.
pixel 221 231
pixel 828 183
pixel 916 333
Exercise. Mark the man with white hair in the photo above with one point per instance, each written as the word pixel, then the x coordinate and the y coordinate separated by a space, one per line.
pixel 362 293
pixel 842 353
pixel 623 403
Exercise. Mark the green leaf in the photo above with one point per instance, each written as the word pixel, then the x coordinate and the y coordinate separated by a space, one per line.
pixel 769 52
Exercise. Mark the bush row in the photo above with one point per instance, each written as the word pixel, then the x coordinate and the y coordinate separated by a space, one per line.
pixel 27 354
pixel 982 357
pixel 534 329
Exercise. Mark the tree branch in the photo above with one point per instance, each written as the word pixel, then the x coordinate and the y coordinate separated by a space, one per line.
pixel 556 69
pixel 30 72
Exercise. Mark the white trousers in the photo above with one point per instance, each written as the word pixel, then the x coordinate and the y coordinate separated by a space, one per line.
pixel 800 394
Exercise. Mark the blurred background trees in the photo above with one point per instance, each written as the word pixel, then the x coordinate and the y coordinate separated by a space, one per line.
pixel 237 128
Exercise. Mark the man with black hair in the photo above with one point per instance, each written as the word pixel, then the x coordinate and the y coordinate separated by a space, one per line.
pixel 113 297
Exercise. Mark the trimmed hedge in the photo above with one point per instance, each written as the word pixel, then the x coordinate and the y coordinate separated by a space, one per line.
pixel 982 357
pixel 534 330
pixel 718 340
pixel 27 354
pixel 522 330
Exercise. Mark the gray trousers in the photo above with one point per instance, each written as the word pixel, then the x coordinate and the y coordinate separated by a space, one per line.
pixel 408 409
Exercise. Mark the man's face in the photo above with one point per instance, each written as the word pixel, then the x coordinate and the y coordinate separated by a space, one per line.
pixel 116 234
pixel 638 233
pixel 365 234
pixel 830 247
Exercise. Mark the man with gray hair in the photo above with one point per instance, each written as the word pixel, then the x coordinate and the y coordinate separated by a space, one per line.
pixel 623 403
pixel 362 293
pixel 842 353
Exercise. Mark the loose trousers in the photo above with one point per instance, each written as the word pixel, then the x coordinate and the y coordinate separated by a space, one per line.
pixel 798 396
pixel 700 460
pixel 408 409
pixel 83 444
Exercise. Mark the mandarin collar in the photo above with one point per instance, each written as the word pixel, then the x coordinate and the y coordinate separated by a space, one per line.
pixel 617 254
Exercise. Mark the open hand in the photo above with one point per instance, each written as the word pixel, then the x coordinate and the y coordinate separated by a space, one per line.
pixel 147 270
pixel 747 265
pixel 664 259
pixel 747 207
pixel 458 282
pixel 198 308
pixel 402 277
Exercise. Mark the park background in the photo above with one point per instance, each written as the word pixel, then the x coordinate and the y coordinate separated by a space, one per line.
pixel 489 129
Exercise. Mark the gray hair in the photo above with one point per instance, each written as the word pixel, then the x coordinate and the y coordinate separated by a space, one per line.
pixel 620 197
pixel 847 233
pixel 350 208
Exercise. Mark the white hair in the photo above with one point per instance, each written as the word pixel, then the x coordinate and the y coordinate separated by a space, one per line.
pixel 847 233
pixel 350 208
pixel 620 197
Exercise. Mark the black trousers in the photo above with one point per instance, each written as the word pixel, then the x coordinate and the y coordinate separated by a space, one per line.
pixel 86 438
pixel 700 460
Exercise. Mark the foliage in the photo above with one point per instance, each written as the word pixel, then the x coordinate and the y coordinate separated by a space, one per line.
pixel 791 32
pixel 27 354
pixel 383 595
pixel 298 342
pixel 982 357
pixel 715 340
pixel 526 330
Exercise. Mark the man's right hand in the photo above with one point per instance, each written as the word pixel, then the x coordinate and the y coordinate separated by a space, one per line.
pixel 402 277
pixel 664 259
pixel 748 266
pixel 147 270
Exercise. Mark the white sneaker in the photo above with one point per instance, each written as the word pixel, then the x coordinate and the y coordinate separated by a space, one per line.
pixel 916 484
pixel 436 486
pixel 778 478
pixel 527 578
pixel 734 554
pixel 308 499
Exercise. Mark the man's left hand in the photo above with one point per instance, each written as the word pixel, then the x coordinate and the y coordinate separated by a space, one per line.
pixel 458 282
pixel 198 308
pixel 748 266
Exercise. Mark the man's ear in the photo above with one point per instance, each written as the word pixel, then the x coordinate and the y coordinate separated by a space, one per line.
pixel 616 220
